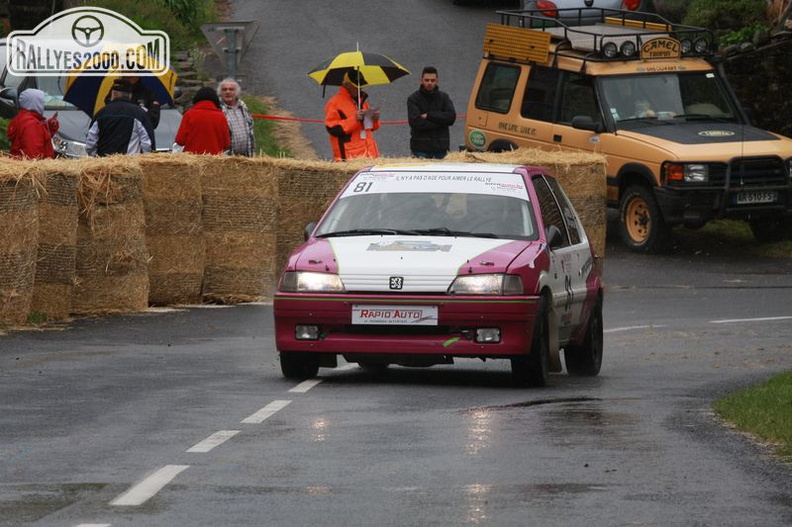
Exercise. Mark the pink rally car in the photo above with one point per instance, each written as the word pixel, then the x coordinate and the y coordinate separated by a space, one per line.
pixel 418 264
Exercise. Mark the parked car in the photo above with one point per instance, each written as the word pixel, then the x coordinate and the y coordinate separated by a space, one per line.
pixel 416 265
pixel 651 97
pixel 69 141
pixel 580 12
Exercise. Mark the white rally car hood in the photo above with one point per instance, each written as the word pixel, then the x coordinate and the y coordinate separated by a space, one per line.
pixel 414 264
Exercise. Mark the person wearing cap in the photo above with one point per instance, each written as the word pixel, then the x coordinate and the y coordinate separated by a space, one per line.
pixel 29 131
pixel 144 98
pixel 121 127
pixel 204 128
pixel 350 121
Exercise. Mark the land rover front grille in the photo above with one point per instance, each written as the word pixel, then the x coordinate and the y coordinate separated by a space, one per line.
pixel 753 172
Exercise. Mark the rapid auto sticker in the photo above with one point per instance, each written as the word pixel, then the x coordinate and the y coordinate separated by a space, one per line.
pixel 502 184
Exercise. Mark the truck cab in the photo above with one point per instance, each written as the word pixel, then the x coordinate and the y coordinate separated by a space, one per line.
pixel 651 97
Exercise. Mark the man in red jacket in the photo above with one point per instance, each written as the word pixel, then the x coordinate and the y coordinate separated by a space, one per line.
pixel 350 122
pixel 29 131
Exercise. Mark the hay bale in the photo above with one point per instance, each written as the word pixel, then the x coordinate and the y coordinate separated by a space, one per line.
pixel 57 243
pixel 174 228
pixel 111 260
pixel 18 245
pixel 240 211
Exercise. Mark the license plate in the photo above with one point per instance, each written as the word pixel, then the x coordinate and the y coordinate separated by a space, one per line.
pixel 757 196
pixel 396 315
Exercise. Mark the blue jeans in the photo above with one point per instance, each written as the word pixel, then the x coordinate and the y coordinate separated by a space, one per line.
pixel 428 155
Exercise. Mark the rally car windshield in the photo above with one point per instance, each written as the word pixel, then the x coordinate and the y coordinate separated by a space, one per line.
pixel 430 214
pixel 666 98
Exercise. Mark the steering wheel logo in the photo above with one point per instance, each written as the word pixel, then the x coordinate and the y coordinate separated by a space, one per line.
pixel 87 31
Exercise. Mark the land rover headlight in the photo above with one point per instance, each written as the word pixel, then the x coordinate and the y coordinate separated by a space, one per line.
pixel 686 172
pixel 610 50
pixel 628 48
pixel 486 284
pixel 686 44
pixel 701 45
pixel 68 147
pixel 310 282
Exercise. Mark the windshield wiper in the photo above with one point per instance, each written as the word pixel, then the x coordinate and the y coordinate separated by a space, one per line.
pixel 702 117
pixel 366 232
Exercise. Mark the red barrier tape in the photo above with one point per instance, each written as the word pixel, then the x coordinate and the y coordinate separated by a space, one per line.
pixel 282 118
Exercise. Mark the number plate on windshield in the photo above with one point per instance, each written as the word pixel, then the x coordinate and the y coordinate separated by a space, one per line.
pixel 758 196
pixel 403 315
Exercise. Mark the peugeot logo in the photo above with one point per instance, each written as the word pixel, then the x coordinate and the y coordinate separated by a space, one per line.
pixel 396 282
pixel 87 31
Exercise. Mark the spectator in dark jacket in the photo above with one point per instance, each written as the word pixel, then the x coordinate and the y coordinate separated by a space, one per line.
pixel 430 113
pixel 204 127
pixel 29 131
pixel 121 127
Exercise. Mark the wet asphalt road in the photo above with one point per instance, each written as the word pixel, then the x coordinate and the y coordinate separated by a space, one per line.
pixel 98 410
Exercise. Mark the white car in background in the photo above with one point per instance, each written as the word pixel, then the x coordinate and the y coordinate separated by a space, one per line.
pixel 577 12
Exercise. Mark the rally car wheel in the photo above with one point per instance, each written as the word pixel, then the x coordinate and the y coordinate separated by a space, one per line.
pixel 642 226
pixel 533 369
pixel 586 360
pixel 299 366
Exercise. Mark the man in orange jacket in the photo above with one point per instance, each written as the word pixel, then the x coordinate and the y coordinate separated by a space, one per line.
pixel 350 122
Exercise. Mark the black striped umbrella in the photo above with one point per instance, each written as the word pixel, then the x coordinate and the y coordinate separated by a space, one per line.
pixel 374 67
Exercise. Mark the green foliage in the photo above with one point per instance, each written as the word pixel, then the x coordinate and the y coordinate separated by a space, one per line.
pixel 264 129
pixel 183 27
pixel 726 17
pixel 764 411
pixel 5 144
pixel 37 317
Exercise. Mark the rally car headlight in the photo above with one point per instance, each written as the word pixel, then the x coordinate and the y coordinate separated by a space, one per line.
pixel 486 284
pixel 308 282
pixel 67 147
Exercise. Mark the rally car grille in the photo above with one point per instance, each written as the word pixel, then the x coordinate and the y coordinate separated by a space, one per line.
pixel 750 172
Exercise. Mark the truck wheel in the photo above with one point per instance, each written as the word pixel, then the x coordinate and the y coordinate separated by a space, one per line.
pixel 771 230
pixel 533 369
pixel 586 360
pixel 641 225
pixel 298 365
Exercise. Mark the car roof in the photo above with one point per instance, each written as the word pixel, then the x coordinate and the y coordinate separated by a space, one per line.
pixel 494 168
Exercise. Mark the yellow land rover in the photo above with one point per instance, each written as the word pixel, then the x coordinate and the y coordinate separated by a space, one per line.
pixel 651 97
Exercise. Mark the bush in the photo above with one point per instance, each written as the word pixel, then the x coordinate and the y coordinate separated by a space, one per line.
pixel 5 144
pixel 182 26
pixel 725 17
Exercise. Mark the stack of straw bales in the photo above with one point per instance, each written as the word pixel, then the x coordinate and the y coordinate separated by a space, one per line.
pixel 119 233
pixel 240 211
pixel 19 220
pixel 57 240
pixel 112 259
pixel 172 199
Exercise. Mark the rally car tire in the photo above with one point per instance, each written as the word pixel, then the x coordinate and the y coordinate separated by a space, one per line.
pixel 532 370
pixel 641 222
pixel 586 360
pixel 299 366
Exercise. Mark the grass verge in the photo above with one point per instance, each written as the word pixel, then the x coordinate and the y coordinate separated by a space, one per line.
pixel 264 129
pixel 731 236
pixel 764 411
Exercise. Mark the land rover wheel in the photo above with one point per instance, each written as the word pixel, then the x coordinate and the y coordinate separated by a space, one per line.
pixel 641 224
pixel 299 366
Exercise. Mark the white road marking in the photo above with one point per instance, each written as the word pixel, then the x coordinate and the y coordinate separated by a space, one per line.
pixel 266 412
pixel 630 328
pixel 141 492
pixel 763 319
pixel 305 386
pixel 216 439
pixel 94 525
